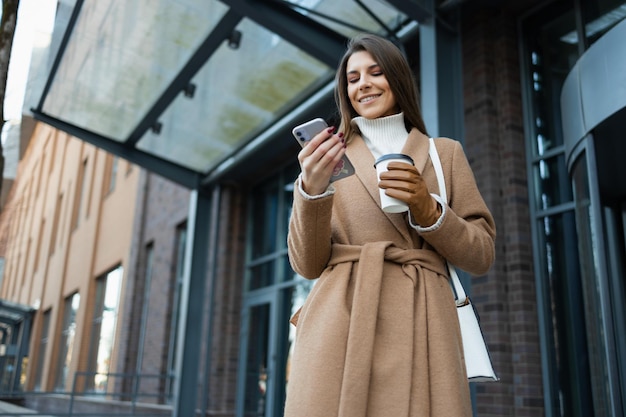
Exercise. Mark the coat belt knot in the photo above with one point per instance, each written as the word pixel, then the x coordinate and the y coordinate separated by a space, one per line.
pixel 370 255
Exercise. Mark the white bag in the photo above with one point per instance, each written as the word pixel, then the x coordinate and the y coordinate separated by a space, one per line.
pixel 477 360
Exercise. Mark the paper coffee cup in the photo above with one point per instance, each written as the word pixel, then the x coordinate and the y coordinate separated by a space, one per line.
pixel 390 204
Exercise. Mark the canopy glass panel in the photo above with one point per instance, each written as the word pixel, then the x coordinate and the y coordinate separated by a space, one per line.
pixel 122 56
pixel 238 92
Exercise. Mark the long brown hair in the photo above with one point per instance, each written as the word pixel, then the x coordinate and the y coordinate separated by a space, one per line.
pixel 399 76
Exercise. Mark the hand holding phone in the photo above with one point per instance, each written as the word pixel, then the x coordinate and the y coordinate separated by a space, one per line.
pixel 307 131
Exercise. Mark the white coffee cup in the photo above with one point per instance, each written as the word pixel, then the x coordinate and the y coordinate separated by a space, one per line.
pixel 390 204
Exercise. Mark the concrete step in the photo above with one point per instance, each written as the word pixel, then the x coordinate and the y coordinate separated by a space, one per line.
pixel 8 409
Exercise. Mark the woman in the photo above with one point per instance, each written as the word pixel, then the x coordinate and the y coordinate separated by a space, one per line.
pixel 378 335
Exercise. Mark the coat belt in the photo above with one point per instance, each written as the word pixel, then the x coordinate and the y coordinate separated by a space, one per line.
pixel 365 303
pixel 371 255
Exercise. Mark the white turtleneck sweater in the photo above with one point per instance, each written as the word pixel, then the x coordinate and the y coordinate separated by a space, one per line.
pixel 383 135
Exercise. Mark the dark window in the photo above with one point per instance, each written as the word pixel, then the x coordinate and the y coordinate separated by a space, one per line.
pixel 103 328
pixel 43 347
pixel 66 342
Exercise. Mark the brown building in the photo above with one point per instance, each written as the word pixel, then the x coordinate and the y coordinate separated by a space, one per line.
pixel 163 283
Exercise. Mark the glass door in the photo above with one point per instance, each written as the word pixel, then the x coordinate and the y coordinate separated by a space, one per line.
pixel 273 293
pixel 599 290
pixel 267 340
pixel 615 236
pixel 610 148
pixel 257 357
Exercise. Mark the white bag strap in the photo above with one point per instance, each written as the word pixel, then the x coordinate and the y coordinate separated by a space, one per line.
pixel 434 157
pixel 461 297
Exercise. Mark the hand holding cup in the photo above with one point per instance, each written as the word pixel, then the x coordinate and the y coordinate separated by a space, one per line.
pixel 402 182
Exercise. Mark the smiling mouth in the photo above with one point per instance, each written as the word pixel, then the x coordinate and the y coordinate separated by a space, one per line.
pixel 368 98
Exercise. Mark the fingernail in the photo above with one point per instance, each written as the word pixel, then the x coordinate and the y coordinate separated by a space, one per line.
pixel 340 134
pixel 330 129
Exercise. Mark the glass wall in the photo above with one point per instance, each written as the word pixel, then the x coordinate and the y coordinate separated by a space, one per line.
pixel 547 61
pixel 273 294
pixel 576 349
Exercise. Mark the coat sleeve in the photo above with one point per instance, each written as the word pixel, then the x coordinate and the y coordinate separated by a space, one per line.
pixel 467 234
pixel 309 236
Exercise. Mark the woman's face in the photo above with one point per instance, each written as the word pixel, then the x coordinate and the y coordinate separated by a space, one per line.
pixel 368 89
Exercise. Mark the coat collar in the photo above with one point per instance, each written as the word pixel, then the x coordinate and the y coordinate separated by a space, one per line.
pixel 416 146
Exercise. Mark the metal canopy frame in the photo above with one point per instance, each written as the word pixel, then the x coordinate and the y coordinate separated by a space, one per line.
pixel 418 10
pixel 277 16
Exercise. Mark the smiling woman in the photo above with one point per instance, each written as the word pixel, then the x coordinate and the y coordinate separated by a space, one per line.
pixel 368 88
pixel 384 60
pixel 378 334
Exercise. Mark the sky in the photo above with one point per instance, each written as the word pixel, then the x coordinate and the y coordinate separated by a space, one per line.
pixel 35 21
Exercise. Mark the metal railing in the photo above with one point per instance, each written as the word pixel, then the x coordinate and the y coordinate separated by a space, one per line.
pixel 123 394
pixel 98 385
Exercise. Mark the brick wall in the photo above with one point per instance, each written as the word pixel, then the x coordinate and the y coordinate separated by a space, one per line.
pixel 162 207
pixel 229 272
pixel 495 147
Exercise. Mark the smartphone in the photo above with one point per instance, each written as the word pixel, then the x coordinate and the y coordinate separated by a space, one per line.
pixel 307 131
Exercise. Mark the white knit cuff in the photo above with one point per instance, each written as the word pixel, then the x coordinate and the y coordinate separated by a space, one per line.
pixel 437 224
pixel 329 191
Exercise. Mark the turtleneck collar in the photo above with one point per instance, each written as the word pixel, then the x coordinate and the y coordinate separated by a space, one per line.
pixel 384 134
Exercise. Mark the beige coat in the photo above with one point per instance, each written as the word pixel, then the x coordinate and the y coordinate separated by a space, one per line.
pixel 378 336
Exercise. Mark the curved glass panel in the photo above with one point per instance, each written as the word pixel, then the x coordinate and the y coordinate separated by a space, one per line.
pixel 589 264
pixel 558 257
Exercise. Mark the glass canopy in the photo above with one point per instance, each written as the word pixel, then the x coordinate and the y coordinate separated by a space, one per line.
pixel 193 81
pixel 237 93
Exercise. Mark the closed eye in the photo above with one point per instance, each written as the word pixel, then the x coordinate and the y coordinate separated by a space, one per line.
pixel 373 70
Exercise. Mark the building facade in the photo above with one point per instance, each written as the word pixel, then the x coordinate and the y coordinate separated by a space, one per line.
pixel 533 89
pixel 68 235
